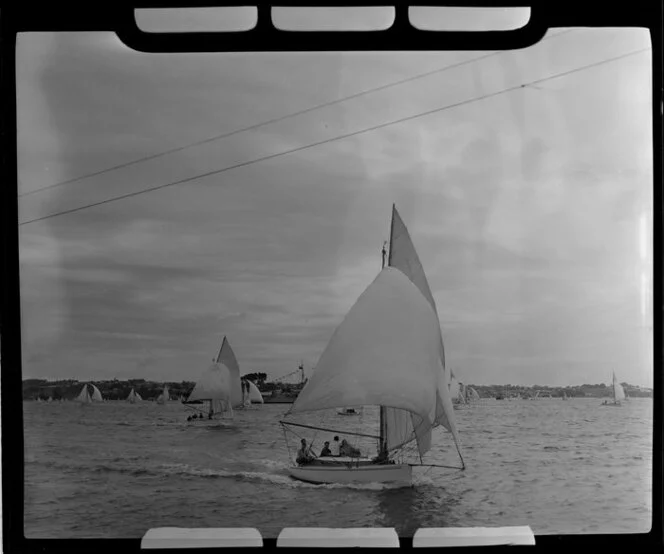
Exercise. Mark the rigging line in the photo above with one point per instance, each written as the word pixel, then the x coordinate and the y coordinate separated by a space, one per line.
pixel 436 465
pixel 277 119
pixel 333 139
pixel 328 429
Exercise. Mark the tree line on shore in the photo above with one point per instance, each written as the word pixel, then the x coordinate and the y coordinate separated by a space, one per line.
pixel 150 390
pixel 575 391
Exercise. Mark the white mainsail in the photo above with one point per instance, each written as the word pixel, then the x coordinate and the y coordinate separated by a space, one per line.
pixel 84 396
pixel 462 393
pixel 214 386
pixel 134 397
pixel 364 365
pixel 472 394
pixel 227 357
pixel 165 396
pixel 403 256
pixel 618 391
pixel 96 394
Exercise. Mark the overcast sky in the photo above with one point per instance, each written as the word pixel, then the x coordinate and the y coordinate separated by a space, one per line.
pixel 531 210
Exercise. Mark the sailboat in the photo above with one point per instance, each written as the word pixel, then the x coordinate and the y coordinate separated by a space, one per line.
pixel 618 393
pixel 213 389
pixel 387 352
pixel 227 358
pixel 164 396
pixel 472 395
pixel 86 398
pixel 255 396
pixel 133 397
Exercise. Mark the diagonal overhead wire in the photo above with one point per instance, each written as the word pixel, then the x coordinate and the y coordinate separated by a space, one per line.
pixel 277 119
pixel 338 137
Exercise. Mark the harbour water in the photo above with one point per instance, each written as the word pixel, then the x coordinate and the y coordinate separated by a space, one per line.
pixel 114 470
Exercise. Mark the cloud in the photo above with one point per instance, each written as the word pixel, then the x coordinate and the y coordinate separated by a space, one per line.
pixel 523 207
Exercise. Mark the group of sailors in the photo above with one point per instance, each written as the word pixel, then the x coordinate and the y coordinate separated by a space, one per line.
pixel 306 455
pixel 198 416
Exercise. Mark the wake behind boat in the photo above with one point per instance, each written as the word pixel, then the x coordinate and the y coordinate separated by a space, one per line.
pixel 387 352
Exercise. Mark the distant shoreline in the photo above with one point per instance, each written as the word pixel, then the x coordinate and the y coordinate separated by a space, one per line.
pixel 116 389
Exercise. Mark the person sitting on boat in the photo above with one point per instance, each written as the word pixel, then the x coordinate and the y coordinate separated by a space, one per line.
pixel 335 446
pixel 304 454
pixel 326 450
pixel 346 449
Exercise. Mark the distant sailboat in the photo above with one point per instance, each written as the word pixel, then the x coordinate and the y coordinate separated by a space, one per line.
pixel 227 357
pixel 387 352
pixel 255 396
pixel 454 387
pixel 213 389
pixel 165 396
pixel 96 394
pixel 618 393
pixel 246 398
pixel 472 395
pixel 457 391
pixel 86 398
pixel 133 397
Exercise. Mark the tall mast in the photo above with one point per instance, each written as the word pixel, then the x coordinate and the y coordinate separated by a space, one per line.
pixel 383 411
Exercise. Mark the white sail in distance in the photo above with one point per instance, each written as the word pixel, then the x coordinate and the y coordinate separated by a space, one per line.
pixel 227 357
pixel 96 394
pixel 618 391
pixel 164 396
pixel 84 395
pixel 213 386
pixel 134 397
pixel 254 394
pixel 473 394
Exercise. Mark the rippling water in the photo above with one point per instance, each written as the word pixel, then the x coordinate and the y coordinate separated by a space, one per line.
pixel 115 470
